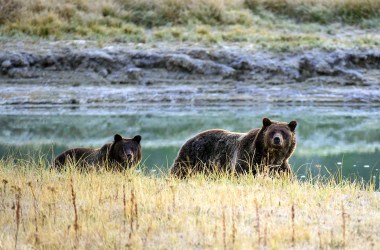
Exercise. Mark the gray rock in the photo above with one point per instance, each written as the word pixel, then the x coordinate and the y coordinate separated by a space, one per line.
pixel 180 62
pixel 48 60
pixel 21 73
pixel 148 60
pixel 134 73
pixel 21 59
pixel 116 64
pixel 6 64
pixel 103 72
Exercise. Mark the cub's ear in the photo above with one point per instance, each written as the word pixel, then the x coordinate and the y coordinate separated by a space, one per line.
pixel 292 125
pixel 137 138
pixel 117 138
pixel 266 122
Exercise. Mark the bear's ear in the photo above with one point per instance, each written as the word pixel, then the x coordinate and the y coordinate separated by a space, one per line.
pixel 292 125
pixel 117 138
pixel 137 138
pixel 266 122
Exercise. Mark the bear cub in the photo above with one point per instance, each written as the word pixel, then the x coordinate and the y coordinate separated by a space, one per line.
pixel 121 154
pixel 261 149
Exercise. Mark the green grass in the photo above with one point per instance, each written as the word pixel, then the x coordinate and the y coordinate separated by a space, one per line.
pixel 54 210
pixel 320 11
pixel 270 24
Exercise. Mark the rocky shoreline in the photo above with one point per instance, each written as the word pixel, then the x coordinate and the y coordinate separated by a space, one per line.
pixel 82 64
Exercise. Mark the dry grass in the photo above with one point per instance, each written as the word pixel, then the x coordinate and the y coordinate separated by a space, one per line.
pixel 129 19
pixel 9 10
pixel 47 209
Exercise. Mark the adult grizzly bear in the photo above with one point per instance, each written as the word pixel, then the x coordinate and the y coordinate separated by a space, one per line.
pixel 122 153
pixel 265 148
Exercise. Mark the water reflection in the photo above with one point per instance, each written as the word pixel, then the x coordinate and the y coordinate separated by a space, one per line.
pixel 330 138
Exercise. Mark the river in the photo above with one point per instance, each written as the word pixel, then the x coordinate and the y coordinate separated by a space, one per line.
pixel 331 138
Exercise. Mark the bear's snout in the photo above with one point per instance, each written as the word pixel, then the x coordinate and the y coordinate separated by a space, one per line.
pixel 277 139
pixel 128 156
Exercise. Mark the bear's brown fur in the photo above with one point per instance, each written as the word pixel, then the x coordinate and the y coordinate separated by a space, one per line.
pixel 268 147
pixel 122 153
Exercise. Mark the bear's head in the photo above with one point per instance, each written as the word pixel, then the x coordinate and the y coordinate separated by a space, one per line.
pixel 279 135
pixel 126 151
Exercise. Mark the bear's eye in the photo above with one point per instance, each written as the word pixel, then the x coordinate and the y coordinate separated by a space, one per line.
pixel 284 135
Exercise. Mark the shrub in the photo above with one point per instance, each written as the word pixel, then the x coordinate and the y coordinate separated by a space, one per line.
pixel 9 10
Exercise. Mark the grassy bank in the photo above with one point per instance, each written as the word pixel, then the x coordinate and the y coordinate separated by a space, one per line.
pixel 43 209
pixel 278 24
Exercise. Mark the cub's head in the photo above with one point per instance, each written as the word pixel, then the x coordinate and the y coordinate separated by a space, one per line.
pixel 126 151
pixel 279 135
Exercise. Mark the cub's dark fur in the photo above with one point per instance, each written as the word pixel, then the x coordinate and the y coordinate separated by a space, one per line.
pixel 122 153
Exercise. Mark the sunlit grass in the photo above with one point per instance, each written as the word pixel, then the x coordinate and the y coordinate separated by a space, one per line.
pixel 132 209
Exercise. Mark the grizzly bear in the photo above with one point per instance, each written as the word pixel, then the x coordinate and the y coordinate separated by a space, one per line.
pixel 266 148
pixel 121 154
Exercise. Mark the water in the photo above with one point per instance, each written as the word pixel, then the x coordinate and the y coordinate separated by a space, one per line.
pixel 330 138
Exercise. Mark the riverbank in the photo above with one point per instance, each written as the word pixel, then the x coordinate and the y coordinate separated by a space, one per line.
pixel 44 209
pixel 180 72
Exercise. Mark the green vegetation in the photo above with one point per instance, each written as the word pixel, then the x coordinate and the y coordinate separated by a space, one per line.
pixel 281 24
pixel 52 210
pixel 320 11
